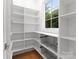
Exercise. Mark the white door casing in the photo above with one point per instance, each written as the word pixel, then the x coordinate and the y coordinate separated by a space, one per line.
pixel 7 18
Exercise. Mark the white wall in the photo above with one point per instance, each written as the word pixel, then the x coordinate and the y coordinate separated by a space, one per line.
pixel 42 21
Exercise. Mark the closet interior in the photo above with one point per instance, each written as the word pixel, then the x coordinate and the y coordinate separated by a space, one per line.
pixel 25 33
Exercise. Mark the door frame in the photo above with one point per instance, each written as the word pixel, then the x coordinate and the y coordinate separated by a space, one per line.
pixel 7 28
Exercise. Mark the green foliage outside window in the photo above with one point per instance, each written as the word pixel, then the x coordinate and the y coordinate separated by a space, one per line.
pixel 47 15
pixel 51 14
pixel 48 25
pixel 51 18
pixel 54 13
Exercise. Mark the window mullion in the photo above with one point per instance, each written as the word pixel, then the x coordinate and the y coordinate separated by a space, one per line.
pixel 51 16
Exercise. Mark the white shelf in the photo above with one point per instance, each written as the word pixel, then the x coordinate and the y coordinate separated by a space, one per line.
pixel 16 32
pixel 24 23
pixel 36 39
pixel 32 39
pixel 68 38
pixel 24 41
pixel 50 34
pixel 21 49
pixel 19 9
pixel 17 40
pixel 17 22
pixel 18 13
pixel 28 15
pixel 17 18
pixel 17 27
pixel 49 49
pixel 32 16
pixel 67 48
pixel 67 56
pixel 30 11
pixel 67 14
pixel 68 26
pixel 32 23
pixel 17 50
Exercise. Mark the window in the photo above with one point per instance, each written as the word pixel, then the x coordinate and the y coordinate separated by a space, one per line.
pixel 51 14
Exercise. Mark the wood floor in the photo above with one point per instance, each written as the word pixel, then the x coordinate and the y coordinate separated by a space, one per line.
pixel 28 55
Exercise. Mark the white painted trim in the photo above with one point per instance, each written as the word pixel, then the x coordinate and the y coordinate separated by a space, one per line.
pixel 68 38
pixel 50 34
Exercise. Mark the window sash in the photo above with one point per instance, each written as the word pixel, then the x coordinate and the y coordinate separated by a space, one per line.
pixel 50 12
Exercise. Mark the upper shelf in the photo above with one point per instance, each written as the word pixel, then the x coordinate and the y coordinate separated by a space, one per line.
pixel 18 9
pixel 24 10
pixel 26 15
pixel 19 22
pixel 69 38
pixel 50 34
pixel 32 11
pixel 67 14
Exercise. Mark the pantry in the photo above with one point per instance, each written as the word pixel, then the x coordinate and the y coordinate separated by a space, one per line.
pixel 24 30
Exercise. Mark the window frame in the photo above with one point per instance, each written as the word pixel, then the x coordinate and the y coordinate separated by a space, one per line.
pixel 47 3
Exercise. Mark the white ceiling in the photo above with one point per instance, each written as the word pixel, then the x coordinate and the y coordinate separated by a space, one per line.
pixel 34 4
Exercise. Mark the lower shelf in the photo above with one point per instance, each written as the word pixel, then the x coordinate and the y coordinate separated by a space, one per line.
pixel 19 45
pixel 68 56
pixel 52 51
pixel 50 42
pixel 47 53
pixel 67 49
pixel 50 46
pixel 21 49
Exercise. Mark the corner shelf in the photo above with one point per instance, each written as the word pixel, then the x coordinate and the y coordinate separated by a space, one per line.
pixel 17 13
pixel 16 32
pixel 67 14
pixel 67 48
pixel 31 16
pixel 17 22
pixel 24 23
pixel 48 54
pixel 31 23
pixel 49 49
pixel 17 40
pixel 21 49
pixel 50 34
pixel 26 39
pixel 13 41
pixel 69 38
pixel 67 56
